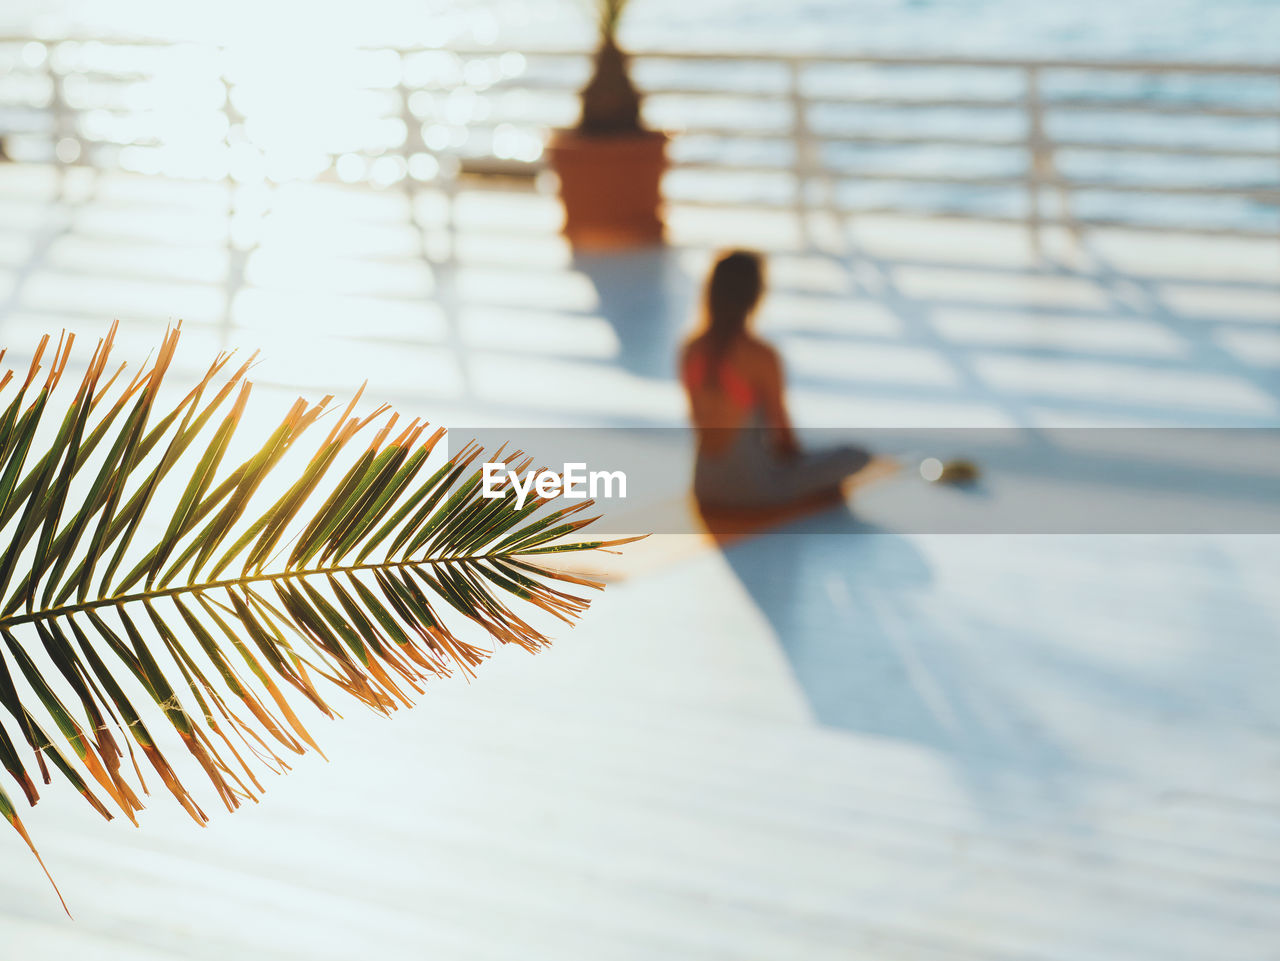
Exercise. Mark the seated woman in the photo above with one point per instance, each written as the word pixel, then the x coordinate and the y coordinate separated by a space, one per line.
pixel 748 457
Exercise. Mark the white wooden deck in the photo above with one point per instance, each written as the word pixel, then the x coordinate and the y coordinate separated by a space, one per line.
pixel 883 746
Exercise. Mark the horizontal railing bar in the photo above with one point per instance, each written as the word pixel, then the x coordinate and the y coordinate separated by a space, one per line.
pixel 1180 108
pixel 778 133
pixel 1187 150
pixel 700 166
pixel 98 76
pixel 1018 102
pixel 790 206
pixel 1000 180
pixel 889 139
pixel 1102 146
pixel 1185 107
pixel 1255 68
pixel 843 173
pixel 555 85
pixel 1199 229
pixel 871 139
pixel 838 173
pixel 960 140
pixel 975 103
pixel 1266 194
pixel 836 170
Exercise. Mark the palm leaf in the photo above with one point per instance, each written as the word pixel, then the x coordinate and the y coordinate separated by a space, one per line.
pixel 141 578
pixel 609 15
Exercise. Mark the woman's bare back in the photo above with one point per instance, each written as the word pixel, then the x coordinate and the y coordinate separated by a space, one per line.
pixel 744 388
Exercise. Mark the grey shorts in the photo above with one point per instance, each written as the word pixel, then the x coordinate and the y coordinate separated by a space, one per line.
pixel 749 474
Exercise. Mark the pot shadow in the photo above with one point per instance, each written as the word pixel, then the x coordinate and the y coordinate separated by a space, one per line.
pixel 647 299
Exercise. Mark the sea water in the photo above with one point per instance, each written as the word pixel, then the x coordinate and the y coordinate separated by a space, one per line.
pixel 1230 30
pixel 289 41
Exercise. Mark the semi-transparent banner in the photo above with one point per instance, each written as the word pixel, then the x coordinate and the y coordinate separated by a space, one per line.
pixel 1064 480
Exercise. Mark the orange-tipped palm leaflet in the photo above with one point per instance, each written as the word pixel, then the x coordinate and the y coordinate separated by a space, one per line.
pixel 152 580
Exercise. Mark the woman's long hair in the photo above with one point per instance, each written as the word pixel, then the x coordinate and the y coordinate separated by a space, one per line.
pixel 733 291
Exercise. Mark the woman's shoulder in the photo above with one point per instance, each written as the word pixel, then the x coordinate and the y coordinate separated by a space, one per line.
pixel 746 351
pixel 691 349
pixel 758 353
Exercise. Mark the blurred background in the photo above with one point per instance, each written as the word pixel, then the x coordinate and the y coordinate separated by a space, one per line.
pixel 834 740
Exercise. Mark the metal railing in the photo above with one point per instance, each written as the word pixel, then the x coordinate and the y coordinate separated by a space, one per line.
pixel 1154 145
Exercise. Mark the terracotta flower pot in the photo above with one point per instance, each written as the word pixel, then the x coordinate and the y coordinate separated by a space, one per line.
pixel 610 188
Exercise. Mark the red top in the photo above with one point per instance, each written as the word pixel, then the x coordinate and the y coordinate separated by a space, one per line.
pixel 735 386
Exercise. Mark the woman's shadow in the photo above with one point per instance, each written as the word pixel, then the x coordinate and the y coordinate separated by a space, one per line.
pixel 854 608
pixel 829 585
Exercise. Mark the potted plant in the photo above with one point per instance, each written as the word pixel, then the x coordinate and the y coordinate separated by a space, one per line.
pixel 610 167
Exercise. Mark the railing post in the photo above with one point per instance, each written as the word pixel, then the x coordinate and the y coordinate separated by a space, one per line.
pixel 1036 160
pixel 228 114
pixel 413 142
pixel 235 266
pixel 57 100
pixel 802 140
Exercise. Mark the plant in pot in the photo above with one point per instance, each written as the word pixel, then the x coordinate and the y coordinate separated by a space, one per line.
pixel 610 167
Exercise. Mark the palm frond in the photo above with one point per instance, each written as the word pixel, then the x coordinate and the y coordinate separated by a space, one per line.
pixel 142 577
pixel 610 12
pixel 608 16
